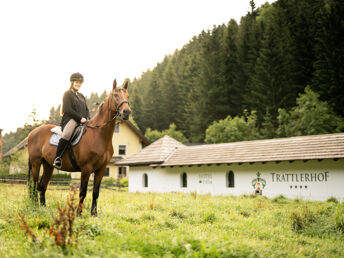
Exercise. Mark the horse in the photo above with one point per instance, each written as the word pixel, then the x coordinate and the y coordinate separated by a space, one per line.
pixel 92 153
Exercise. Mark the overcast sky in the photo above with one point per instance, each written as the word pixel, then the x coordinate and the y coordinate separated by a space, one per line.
pixel 43 42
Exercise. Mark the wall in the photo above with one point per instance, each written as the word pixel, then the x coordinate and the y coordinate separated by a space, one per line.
pixel 127 137
pixel 312 180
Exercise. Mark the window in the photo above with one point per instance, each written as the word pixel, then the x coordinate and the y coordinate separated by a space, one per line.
pixel 107 172
pixel 122 172
pixel 122 149
pixel 230 179
pixel 117 128
pixel 184 180
pixel 145 180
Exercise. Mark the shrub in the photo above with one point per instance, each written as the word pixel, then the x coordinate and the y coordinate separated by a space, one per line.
pixel 124 181
pixel 4 167
pixel 332 199
pixel 108 180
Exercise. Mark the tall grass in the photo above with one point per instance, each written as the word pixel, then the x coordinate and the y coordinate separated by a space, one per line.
pixel 172 225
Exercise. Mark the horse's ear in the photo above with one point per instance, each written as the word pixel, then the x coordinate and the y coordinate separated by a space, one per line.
pixel 114 84
pixel 125 84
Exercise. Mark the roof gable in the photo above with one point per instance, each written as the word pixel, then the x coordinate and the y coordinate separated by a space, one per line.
pixel 18 147
pixel 155 153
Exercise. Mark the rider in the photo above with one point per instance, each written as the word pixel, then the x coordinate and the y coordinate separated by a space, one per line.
pixel 75 111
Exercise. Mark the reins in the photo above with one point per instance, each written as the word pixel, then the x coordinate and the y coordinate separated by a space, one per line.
pixel 117 114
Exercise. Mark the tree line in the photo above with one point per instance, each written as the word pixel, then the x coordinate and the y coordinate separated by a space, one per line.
pixel 260 65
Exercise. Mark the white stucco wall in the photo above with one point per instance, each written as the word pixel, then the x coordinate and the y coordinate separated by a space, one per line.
pixel 311 180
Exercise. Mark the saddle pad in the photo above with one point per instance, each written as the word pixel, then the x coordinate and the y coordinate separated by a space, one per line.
pixel 57 130
pixel 55 138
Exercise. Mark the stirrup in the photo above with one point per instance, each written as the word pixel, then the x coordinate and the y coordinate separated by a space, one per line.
pixel 57 163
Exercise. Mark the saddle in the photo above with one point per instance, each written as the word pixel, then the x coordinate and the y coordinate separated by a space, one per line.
pixel 75 138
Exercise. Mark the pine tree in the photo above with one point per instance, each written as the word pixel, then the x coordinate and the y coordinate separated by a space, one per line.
pixel 329 50
pixel 232 86
pixel 152 105
pixel 270 86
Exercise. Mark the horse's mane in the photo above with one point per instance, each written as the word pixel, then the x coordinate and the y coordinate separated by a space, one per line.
pixel 100 107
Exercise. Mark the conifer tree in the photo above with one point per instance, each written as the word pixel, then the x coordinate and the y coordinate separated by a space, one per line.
pixel 328 77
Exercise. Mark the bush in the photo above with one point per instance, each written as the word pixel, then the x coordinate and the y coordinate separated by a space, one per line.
pixel 4 167
pixel 172 131
pixel 108 180
pixel 124 181
pixel 238 128
pixel 332 199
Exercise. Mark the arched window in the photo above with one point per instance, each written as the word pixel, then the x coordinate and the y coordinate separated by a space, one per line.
pixel 184 180
pixel 230 179
pixel 145 180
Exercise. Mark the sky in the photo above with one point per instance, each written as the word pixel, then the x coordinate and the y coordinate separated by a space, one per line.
pixel 42 42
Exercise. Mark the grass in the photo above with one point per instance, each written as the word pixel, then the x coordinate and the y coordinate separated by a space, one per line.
pixel 170 225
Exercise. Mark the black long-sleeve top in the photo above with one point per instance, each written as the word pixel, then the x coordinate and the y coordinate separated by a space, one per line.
pixel 74 106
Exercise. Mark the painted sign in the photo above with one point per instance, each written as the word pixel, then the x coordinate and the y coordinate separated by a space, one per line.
pixel 300 177
pixel 206 179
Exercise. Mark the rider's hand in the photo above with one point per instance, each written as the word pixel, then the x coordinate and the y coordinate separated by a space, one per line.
pixel 83 120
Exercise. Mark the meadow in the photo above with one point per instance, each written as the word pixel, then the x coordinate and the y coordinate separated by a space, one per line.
pixel 174 225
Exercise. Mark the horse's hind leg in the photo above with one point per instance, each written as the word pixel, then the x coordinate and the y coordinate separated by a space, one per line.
pixel 34 167
pixel 43 184
pixel 83 190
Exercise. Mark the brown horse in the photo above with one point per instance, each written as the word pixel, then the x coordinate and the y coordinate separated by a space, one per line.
pixel 92 153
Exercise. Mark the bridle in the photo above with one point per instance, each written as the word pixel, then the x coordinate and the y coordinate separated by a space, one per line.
pixel 116 115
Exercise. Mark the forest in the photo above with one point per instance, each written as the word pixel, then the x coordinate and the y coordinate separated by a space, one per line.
pixel 260 65
pixel 278 72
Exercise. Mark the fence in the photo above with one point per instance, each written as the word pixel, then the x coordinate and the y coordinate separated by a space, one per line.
pixel 63 183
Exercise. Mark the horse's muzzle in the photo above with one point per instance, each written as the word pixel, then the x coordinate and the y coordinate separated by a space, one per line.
pixel 125 114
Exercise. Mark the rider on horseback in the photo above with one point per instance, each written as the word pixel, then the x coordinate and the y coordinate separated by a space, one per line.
pixel 75 111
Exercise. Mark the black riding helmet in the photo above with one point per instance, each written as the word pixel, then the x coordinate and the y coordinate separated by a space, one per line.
pixel 76 77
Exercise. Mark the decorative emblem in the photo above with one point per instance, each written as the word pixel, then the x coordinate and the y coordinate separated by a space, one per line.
pixel 258 184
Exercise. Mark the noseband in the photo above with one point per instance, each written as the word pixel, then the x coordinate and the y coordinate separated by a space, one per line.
pixel 116 115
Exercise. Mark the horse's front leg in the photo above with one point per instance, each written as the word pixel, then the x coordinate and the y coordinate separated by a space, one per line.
pixel 96 186
pixel 85 176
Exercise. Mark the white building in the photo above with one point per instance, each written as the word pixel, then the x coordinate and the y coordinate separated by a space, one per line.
pixel 307 167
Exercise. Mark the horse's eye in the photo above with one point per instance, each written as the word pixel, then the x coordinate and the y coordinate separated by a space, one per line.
pixel 116 95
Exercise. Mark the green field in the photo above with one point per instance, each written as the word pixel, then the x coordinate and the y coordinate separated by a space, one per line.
pixel 169 225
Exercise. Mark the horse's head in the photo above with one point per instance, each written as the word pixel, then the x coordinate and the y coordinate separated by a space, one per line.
pixel 120 100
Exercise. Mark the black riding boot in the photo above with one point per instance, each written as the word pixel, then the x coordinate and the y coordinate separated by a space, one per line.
pixel 59 152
